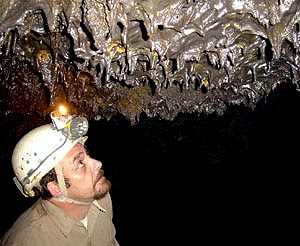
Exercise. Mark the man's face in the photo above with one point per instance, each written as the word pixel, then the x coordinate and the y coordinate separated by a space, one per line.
pixel 84 174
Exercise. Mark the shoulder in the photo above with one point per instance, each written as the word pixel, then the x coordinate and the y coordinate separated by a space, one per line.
pixel 26 228
pixel 22 237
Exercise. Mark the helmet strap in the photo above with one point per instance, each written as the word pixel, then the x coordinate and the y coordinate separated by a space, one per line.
pixel 63 198
pixel 21 188
pixel 61 179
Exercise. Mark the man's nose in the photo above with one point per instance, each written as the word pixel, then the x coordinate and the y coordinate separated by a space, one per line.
pixel 97 164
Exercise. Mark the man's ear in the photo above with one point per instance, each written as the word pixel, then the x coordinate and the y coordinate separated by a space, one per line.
pixel 54 189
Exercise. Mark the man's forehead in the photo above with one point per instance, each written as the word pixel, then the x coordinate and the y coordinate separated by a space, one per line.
pixel 71 155
pixel 76 149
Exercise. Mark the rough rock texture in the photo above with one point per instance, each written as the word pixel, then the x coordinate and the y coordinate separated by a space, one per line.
pixel 156 57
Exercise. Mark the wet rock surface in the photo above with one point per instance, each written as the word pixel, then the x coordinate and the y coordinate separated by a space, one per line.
pixel 156 57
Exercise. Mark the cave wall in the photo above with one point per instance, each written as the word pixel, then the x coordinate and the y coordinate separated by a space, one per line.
pixel 155 57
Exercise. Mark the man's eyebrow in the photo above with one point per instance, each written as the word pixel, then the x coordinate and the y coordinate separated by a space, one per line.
pixel 86 151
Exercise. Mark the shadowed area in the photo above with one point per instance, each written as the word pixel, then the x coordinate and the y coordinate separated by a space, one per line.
pixel 203 169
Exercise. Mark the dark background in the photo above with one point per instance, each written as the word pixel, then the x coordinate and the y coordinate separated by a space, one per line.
pixel 227 178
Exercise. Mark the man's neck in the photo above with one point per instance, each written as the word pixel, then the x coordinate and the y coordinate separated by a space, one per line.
pixel 76 211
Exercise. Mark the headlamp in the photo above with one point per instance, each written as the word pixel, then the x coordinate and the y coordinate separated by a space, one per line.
pixel 72 127
pixel 78 127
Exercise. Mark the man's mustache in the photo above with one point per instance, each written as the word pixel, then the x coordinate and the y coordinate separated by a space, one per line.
pixel 100 174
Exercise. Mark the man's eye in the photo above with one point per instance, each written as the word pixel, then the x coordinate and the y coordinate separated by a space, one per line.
pixel 81 164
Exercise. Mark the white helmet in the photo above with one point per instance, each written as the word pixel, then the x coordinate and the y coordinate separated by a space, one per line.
pixel 38 152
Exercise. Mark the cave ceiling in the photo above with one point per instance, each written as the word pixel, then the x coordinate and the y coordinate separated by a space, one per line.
pixel 156 57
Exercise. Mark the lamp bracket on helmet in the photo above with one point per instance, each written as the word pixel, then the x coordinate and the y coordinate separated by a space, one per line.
pixel 70 126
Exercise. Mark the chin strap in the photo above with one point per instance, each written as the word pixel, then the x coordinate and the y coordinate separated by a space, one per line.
pixel 63 198
pixel 62 185
pixel 61 179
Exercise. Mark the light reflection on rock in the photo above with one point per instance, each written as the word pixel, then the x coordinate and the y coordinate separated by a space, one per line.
pixel 160 57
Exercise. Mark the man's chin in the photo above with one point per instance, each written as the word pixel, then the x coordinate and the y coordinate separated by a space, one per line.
pixel 102 189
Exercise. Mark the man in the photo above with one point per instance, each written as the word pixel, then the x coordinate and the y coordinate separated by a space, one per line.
pixel 75 206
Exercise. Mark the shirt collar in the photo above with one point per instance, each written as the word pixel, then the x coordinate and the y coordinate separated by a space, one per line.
pixel 63 221
pixel 98 206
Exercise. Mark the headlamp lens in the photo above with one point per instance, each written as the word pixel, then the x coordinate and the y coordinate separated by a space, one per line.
pixel 79 127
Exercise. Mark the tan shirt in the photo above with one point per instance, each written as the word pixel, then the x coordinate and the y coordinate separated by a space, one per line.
pixel 44 224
